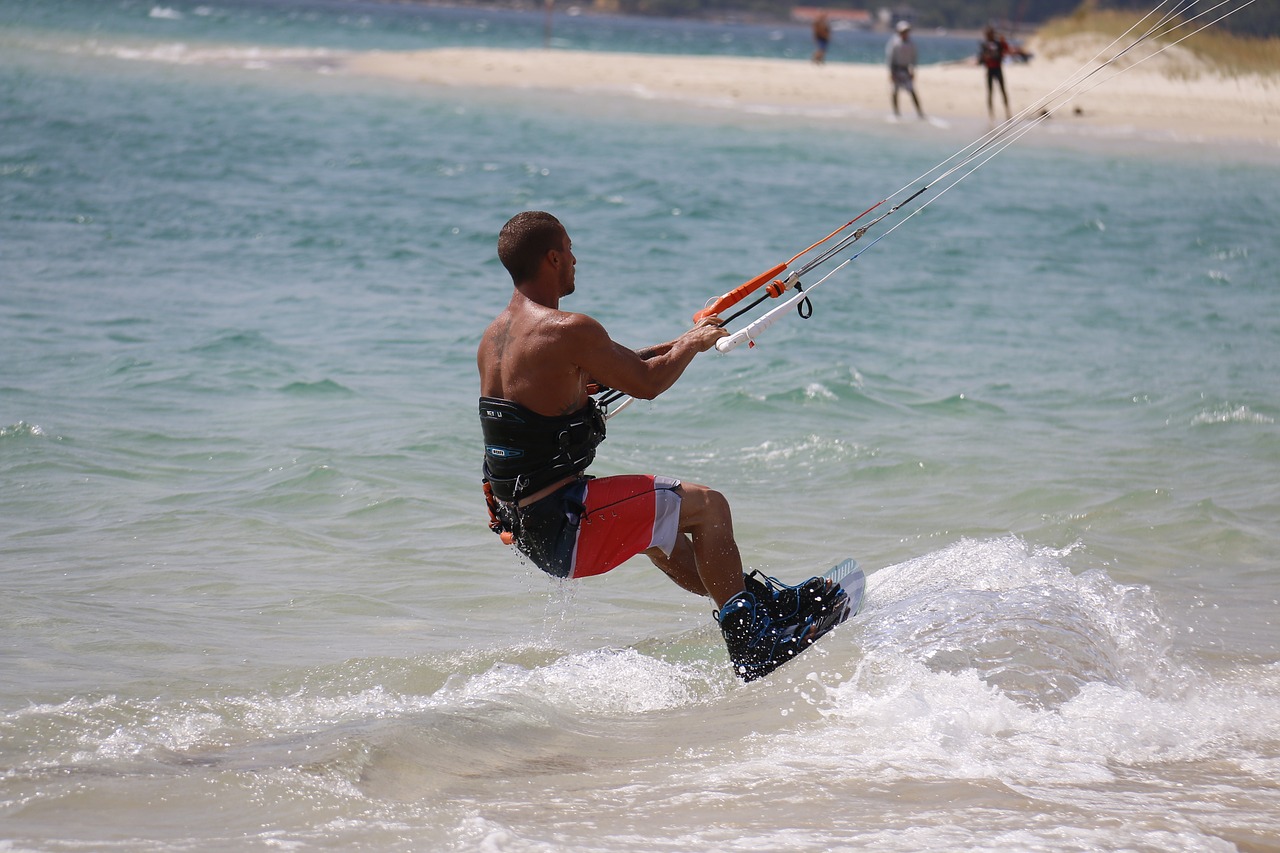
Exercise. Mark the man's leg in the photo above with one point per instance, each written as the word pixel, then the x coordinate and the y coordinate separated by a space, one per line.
pixel 705 559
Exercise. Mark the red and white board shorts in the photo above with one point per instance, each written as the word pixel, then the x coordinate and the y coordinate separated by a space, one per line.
pixel 594 525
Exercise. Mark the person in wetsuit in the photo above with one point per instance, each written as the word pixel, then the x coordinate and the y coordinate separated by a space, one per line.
pixel 538 367
pixel 991 53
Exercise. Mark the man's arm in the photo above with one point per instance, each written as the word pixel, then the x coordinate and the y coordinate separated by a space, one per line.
pixel 594 386
pixel 644 374
pixel 647 353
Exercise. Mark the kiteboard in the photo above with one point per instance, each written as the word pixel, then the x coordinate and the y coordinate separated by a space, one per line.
pixel 852 580
pixel 690 646
pixel 849 577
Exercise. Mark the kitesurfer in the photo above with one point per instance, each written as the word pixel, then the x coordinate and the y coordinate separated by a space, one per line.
pixel 538 367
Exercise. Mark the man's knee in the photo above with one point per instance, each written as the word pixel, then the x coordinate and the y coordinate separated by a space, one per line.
pixel 702 504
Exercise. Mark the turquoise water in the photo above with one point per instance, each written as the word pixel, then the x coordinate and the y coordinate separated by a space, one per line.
pixel 251 599
pixel 369 24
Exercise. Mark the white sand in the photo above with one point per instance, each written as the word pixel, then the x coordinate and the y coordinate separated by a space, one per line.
pixel 1167 98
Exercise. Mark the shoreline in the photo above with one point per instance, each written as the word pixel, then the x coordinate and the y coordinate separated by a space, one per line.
pixel 1138 102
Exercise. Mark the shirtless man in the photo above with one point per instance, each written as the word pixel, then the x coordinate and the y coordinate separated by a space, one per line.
pixel 538 367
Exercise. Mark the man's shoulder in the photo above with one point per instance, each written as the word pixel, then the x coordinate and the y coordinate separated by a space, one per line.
pixel 533 314
pixel 572 321
pixel 543 326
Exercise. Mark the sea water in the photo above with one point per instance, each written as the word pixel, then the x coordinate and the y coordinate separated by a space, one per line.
pixel 250 600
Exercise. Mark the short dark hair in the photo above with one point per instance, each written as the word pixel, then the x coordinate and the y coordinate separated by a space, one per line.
pixel 525 240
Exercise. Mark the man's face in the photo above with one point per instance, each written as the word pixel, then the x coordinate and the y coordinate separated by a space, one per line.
pixel 567 264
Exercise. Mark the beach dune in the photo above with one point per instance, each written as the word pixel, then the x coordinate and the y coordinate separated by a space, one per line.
pixel 1167 98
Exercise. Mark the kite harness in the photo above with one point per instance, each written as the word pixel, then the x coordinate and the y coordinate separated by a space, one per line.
pixel 525 452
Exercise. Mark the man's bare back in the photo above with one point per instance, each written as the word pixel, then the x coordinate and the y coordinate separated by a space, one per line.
pixel 530 355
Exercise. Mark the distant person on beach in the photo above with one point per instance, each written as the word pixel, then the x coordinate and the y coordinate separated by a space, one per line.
pixel 991 53
pixel 821 38
pixel 538 367
pixel 901 55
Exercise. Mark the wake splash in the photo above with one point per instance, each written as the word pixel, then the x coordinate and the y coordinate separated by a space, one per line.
pixel 983 672
pixel 1020 622
pixel 987 635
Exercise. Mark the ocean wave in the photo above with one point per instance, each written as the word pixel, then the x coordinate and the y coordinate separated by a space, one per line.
pixel 250 57
pixel 320 387
pixel 805 451
pixel 987 665
pixel 21 430
pixel 1229 414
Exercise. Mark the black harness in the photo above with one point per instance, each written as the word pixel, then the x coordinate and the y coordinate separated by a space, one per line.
pixel 525 451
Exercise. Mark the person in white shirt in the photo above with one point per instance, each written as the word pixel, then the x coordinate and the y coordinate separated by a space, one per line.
pixel 900 53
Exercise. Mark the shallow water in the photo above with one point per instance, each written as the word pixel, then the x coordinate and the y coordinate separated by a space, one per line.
pixel 251 601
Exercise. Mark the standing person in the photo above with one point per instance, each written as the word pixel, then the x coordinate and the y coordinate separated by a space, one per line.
pixel 901 55
pixel 991 53
pixel 821 38
pixel 538 366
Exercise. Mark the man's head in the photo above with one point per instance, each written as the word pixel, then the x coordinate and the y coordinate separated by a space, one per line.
pixel 526 240
pixel 904 29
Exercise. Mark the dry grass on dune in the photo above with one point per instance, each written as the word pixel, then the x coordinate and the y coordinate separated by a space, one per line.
pixel 1211 51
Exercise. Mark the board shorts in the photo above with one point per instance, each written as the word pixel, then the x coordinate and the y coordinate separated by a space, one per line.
pixel 901 75
pixel 595 524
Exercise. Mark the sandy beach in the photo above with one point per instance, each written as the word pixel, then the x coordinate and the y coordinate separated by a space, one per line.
pixel 1167 98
